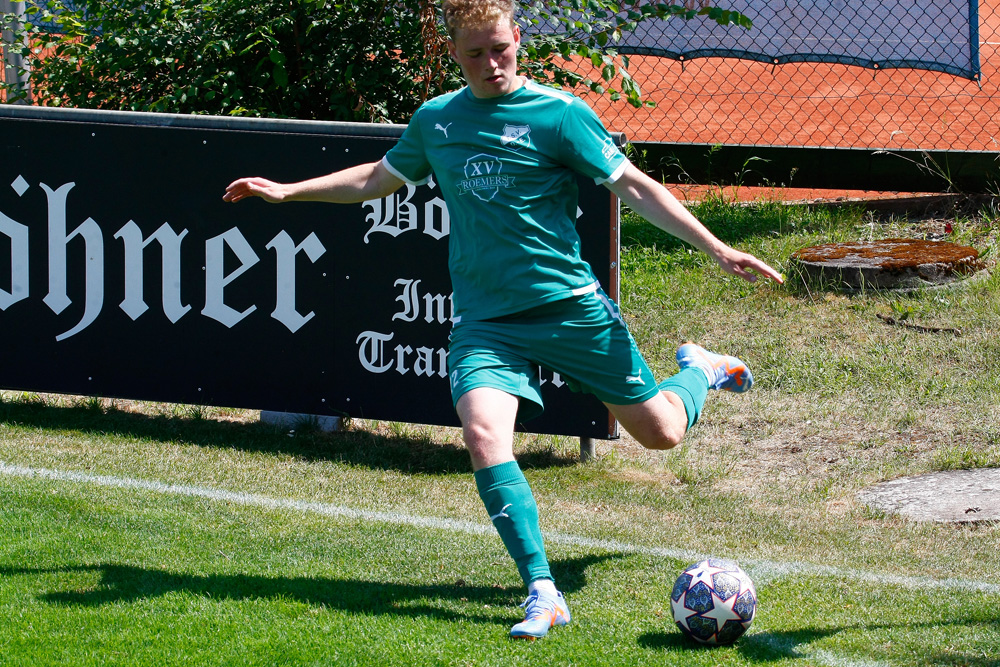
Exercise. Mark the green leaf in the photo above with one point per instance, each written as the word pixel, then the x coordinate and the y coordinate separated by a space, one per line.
pixel 281 76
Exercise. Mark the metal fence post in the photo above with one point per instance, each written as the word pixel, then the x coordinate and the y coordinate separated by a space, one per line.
pixel 588 449
pixel 15 68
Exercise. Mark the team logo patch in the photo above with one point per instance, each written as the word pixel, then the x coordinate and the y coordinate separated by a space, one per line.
pixel 483 177
pixel 516 136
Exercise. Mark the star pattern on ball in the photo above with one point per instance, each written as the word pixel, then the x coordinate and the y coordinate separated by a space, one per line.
pixel 713 602
pixel 706 573
pixel 722 610
pixel 678 609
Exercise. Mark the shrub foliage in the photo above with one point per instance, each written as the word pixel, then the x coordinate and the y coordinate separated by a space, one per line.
pixel 365 61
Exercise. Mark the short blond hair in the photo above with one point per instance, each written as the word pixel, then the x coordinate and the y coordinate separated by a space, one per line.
pixel 475 13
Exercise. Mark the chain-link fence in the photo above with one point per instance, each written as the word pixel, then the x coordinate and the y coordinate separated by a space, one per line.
pixel 882 102
pixel 825 73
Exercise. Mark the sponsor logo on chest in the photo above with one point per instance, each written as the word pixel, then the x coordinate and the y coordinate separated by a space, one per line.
pixel 483 177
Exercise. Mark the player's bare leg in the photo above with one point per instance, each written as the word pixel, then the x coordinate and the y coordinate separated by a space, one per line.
pixel 662 421
pixel 658 423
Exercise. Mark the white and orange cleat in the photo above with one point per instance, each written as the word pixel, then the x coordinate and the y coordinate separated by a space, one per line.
pixel 723 372
pixel 542 610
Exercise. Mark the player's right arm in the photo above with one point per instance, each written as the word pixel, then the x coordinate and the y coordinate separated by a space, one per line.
pixel 363 182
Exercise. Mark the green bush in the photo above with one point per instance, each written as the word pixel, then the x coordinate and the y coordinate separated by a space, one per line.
pixel 364 61
pixel 356 61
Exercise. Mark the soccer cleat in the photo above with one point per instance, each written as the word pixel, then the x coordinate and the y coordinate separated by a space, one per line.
pixel 542 610
pixel 724 372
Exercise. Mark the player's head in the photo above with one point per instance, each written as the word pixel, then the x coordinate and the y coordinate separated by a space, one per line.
pixel 459 14
pixel 483 40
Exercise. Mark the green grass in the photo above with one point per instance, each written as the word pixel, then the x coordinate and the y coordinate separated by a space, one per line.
pixel 101 571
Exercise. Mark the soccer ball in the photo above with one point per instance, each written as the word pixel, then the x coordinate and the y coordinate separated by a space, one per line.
pixel 713 602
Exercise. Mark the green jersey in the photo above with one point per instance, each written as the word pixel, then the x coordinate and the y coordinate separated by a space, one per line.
pixel 507 168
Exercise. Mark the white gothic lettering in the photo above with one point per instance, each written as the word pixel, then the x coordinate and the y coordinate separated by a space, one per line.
pixel 396 214
pixel 62 240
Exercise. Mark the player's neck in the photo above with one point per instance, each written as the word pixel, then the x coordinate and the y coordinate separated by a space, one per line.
pixel 517 84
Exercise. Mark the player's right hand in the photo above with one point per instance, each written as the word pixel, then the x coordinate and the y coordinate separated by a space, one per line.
pixel 255 187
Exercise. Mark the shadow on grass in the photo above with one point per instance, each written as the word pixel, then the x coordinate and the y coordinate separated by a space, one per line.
pixel 126 584
pixel 768 647
pixel 405 453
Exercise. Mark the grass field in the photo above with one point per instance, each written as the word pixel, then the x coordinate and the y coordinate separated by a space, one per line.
pixel 142 534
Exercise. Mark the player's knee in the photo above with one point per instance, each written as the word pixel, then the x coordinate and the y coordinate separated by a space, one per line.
pixel 481 438
pixel 663 435
pixel 656 424
pixel 665 438
pixel 477 434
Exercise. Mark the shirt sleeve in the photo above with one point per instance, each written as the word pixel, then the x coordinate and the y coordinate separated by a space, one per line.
pixel 587 147
pixel 407 160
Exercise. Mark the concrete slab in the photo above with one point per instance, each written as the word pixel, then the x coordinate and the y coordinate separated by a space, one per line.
pixel 294 420
pixel 953 496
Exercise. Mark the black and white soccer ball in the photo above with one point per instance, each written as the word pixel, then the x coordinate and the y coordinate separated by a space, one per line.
pixel 713 602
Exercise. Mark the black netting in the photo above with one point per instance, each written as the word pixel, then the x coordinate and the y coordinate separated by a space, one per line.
pixel 886 34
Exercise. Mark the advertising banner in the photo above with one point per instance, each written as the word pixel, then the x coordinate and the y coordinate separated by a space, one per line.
pixel 123 273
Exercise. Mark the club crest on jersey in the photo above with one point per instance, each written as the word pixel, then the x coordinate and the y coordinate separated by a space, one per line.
pixel 483 177
pixel 516 136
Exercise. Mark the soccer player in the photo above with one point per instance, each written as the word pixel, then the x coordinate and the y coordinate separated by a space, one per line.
pixel 505 152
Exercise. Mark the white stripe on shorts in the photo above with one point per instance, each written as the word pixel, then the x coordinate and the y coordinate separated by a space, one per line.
pixel 580 291
pixel 612 311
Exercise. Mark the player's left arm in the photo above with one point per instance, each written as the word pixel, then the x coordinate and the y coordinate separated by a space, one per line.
pixel 655 203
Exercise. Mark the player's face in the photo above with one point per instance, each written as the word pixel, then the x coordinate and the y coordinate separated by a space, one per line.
pixel 488 58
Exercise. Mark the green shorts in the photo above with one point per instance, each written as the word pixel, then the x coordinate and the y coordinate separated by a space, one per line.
pixel 582 338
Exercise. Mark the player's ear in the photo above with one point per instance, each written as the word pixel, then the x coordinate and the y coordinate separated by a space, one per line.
pixel 451 48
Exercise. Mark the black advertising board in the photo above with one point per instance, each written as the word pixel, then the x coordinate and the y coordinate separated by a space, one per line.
pixel 123 273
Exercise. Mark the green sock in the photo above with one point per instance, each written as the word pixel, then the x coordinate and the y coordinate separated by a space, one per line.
pixel 511 506
pixel 691 385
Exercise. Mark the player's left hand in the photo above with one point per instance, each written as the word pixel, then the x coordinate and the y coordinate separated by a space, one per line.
pixel 746 266
pixel 267 190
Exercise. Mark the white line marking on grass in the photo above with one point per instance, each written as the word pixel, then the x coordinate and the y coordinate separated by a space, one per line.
pixel 760 570
pixel 790 649
pixel 833 660
pixel 249 499
pixel 765 571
